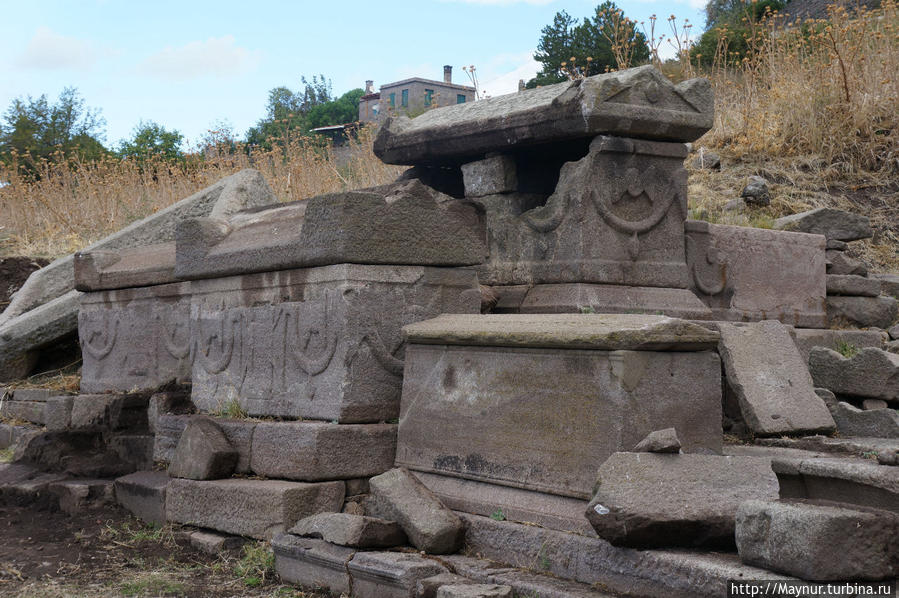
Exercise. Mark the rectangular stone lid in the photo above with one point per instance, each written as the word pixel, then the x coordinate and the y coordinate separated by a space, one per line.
pixel 606 332
pixel 637 102
pixel 148 265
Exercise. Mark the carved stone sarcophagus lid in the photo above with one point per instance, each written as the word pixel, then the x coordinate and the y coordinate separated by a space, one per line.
pixel 637 102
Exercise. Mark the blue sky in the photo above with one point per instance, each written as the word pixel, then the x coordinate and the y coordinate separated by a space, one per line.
pixel 187 65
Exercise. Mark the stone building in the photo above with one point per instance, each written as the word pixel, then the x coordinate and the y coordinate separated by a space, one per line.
pixel 412 96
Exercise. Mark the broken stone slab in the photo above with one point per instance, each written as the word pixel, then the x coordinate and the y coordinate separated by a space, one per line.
pixel 628 230
pixel 862 286
pixel 203 452
pixel 837 245
pixel 494 174
pixel 855 447
pixel 876 312
pixel 877 423
pixel 431 527
pixel 27 334
pixel 214 543
pixel 312 563
pixel 143 494
pixel 136 338
pixel 24 484
pixel 404 223
pixel 728 276
pixel 390 574
pixel 313 451
pixel 168 432
pixel 319 343
pixel 102 270
pixel 351 530
pixel 246 507
pixel 244 189
pixel 611 299
pixel 646 500
pixel 806 338
pixel 603 332
pixel 771 380
pixel 498 374
pixel 659 441
pixel 109 411
pixel 830 222
pixel 894 332
pixel 860 482
pixel 619 571
pixel 889 284
pixel 78 495
pixel 474 591
pixel 427 588
pixel 870 373
pixel 638 102
pixel 819 541
pixel 837 262
pixel 33 394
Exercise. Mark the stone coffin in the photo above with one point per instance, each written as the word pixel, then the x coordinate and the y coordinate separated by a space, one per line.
pixel 751 274
pixel 318 343
pixel 538 403
pixel 615 217
pixel 639 102
pixel 135 338
pixel 404 223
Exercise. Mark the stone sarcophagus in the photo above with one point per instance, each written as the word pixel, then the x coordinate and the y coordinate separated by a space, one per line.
pixel 317 343
pixel 517 412
pixel 582 184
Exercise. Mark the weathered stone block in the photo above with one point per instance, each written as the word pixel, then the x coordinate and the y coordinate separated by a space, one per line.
pixel 878 312
pixel 404 223
pixel 351 530
pixel 859 482
pixel 852 285
pixel 313 451
pixel 746 273
pixel 58 413
pixel 648 500
pixel 494 174
pixel 489 402
pixel 321 343
pixel 474 591
pixel 135 339
pixel 23 336
pixel 390 574
pixel 807 338
pixel 431 527
pixel 76 496
pixel 164 403
pixel 819 541
pixel 203 452
pixel 771 381
pixel 255 508
pixel 830 222
pixel 168 432
pixel 627 229
pixel 30 411
pixel 143 493
pixel 102 270
pixel 312 563
pixel 868 373
pixel 639 102
pixel 213 543
pixel 838 263
pixel 889 284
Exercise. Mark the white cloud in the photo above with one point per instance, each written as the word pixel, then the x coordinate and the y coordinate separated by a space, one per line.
pixel 50 51
pixel 499 84
pixel 216 57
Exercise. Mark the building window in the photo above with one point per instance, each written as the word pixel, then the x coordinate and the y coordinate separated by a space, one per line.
pixel 460 98
pixel 429 93
pixel 393 100
pixel 405 98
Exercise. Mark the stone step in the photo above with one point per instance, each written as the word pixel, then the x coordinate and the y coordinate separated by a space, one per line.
pixel 246 507
pixel 10 434
pixel 78 495
pixel 647 573
pixel 143 493
pixel 23 484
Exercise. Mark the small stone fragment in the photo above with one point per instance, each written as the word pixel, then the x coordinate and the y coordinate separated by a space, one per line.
pixel 494 174
pixel 203 453
pixel 872 404
pixel 850 284
pixel 474 591
pixel 351 530
pixel 832 223
pixel 659 441
pixel 756 192
pixel 841 264
pixel 431 527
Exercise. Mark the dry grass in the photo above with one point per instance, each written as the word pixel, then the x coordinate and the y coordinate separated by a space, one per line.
pixel 74 204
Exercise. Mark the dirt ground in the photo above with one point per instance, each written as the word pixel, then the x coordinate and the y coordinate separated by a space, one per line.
pixel 109 553
pixel 13 273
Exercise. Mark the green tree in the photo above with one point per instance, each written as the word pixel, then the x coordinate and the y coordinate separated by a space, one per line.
pixel 344 109
pixel 150 139
pixel 609 40
pixel 38 128
pixel 728 27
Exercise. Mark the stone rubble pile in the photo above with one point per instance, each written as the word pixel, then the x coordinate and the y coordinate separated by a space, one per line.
pixel 319 374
